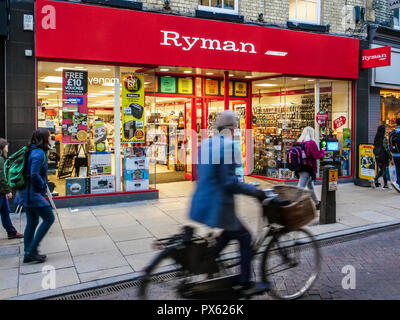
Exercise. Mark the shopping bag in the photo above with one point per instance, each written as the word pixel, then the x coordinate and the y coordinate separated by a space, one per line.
pixel 392 173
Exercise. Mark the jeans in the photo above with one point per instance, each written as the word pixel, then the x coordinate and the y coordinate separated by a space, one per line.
pixel 397 164
pixel 246 251
pixel 382 172
pixel 32 238
pixel 306 180
pixel 5 215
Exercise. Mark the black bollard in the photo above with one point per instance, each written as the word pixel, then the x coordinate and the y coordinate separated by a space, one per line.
pixel 328 195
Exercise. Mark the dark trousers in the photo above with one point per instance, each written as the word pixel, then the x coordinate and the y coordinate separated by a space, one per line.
pixel 396 161
pixel 382 172
pixel 5 215
pixel 32 238
pixel 246 251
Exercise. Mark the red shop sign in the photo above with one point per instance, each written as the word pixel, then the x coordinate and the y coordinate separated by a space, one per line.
pixel 74 31
pixel 339 122
pixel 322 119
pixel 378 57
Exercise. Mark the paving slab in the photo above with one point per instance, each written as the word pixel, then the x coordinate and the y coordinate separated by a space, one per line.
pixel 86 246
pixel 99 261
pixel 136 246
pixel 59 260
pixel 9 278
pixel 29 283
pixel 129 233
pixel 84 232
pixel 107 273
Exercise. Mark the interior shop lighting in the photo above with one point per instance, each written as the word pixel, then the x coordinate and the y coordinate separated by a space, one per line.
pixel 266 85
pixel 46 91
pixel 295 79
pixel 187 71
pixel 248 77
pixel 164 70
pixel 107 91
pixel 60 69
pixel 106 69
pixel 79 68
pixel 310 80
pixel 51 89
pixel 209 73
pixel 148 82
pixel 273 79
pixel 52 79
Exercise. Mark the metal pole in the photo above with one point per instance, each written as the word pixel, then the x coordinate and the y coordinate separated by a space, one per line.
pixel 226 93
pixel 117 131
pixel 317 107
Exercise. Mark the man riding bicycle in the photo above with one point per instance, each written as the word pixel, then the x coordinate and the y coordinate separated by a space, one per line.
pixel 213 200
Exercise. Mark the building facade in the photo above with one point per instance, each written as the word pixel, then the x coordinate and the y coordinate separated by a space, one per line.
pixel 34 67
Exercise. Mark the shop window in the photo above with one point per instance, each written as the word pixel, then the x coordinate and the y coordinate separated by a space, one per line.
pixel 396 18
pixel 305 11
pixel 390 108
pixel 221 6
pixel 77 103
pixel 283 107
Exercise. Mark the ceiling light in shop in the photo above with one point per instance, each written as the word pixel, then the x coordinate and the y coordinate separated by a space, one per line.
pixel 295 79
pixel 266 85
pixel 164 70
pixel 60 69
pixel 273 79
pixel 209 73
pixel 107 92
pixel 248 77
pixel 79 68
pixel 148 82
pixel 51 89
pixel 106 69
pixel 187 71
pixel 46 91
pixel 311 80
pixel 52 79
pixel 231 75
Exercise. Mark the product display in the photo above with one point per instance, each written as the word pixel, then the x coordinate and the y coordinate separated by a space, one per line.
pixel 102 184
pixel 100 163
pixel 77 186
pixel 136 169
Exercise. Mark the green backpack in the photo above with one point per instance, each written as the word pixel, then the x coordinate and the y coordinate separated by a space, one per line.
pixel 14 169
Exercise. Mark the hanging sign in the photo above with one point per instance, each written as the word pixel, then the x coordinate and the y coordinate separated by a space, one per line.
pixel 100 135
pixel 240 89
pixel 222 85
pixel 212 87
pixel 377 57
pixel 133 129
pixel 322 119
pixel 185 86
pixel 394 4
pixel 339 122
pixel 367 162
pixel 74 106
pixel 167 85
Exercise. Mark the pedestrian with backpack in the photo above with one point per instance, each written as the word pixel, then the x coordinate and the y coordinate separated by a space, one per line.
pixel 308 170
pixel 32 196
pixel 5 195
pixel 394 142
pixel 382 157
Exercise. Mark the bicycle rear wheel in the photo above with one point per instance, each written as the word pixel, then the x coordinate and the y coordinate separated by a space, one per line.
pixel 159 286
pixel 289 266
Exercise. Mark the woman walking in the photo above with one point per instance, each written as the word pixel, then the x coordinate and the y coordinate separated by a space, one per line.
pixel 382 157
pixel 307 174
pixel 32 196
pixel 5 194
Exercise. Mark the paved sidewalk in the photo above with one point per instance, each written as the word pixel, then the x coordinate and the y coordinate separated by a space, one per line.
pixel 91 243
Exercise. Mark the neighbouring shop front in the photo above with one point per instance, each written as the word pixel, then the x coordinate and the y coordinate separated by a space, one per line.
pixel 129 99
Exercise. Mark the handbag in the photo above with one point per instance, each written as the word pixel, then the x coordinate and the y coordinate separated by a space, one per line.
pixel 392 173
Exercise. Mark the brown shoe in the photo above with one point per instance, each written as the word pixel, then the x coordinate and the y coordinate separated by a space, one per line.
pixel 16 235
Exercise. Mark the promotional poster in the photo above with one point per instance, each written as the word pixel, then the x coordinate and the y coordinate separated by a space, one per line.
pixel 136 169
pixel 367 162
pixel 75 107
pixel 133 129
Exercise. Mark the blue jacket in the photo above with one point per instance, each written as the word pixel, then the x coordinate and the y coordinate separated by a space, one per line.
pixel 396 154
pixel 34 192
pixel 213 200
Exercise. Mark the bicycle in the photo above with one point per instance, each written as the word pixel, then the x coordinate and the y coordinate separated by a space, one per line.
pixel 194 256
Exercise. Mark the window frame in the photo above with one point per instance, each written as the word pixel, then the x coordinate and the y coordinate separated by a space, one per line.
pixel 235 11
pixel 396 26
pixel 317 22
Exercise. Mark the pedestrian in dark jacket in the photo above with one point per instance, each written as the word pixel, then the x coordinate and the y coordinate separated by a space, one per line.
pixel 382 157
pixel 213 200
pixel 307 175
pixel 32 196
pixel 5 194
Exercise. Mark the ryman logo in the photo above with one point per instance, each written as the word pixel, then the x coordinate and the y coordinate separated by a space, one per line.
pixel 380 57
pixel 171 38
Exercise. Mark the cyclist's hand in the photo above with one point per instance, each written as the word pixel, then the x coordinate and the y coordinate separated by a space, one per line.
pixel 260 195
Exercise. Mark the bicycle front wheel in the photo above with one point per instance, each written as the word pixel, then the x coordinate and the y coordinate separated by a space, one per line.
pixel 291 263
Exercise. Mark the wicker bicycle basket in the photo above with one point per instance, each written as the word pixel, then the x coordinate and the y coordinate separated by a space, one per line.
pixel 297 214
